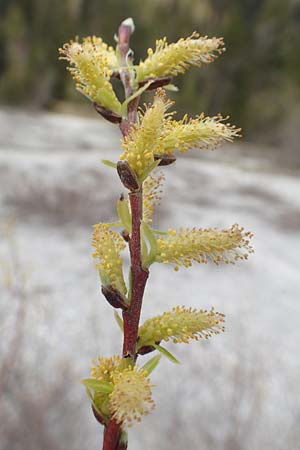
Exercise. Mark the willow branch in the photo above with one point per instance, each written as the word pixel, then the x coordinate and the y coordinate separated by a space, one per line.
pixel 131 316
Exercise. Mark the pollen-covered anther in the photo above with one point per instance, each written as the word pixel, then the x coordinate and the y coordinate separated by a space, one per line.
pixel 92 64
pixel 103 367
pixel 176 58
pixel 152 194
pixel 180 325
pixel 144 138
pixel 108 246
pixel 131 397
pixel 185 246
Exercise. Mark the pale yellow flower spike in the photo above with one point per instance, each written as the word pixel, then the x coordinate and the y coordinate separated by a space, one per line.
pixel 91 64
pixel 185 246
pixel 103 370
pixel 143 139
pixel 101 50
pixel 104 366
pixel 131 397
pixel 108 245
pixel 175 58
pixel 151 195
pixel 180 325
pixel 201 132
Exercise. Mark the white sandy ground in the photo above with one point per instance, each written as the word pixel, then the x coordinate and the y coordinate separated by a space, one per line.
pixel 53 184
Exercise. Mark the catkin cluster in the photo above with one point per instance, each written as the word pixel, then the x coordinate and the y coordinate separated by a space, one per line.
pixel 130 396
pixel 120 390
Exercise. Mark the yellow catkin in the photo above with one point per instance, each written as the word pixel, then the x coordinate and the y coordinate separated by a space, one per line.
pixel 158 134
pixel 131 397
pixel 143 140
pixel 184 246
pixel 102 369
pixel 151 195
pixel 104 366
pixel 91 64
pixel 180 325
pixel 200 132
pixel 176 58
pixel 108 245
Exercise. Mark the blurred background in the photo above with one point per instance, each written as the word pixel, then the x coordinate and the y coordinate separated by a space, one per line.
pixel 238 391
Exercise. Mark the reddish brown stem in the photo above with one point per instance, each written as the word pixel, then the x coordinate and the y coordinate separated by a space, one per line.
pixel 131 317
pixel 111 435
pixel 139 276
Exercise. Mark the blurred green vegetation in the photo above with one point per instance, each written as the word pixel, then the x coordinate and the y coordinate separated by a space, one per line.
pixel 256 82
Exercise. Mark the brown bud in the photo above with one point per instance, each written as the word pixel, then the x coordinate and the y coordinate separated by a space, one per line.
pixel 127 176
pixel 155 82
pixel 116 74
pixel 114 297
pixel 125 31
pixel 107 113
pixel 166 159
pixel 125 235
pixel 147 349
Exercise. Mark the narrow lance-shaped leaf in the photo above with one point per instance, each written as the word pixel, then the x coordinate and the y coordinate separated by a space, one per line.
pixel 150 236
pixel 109 163
pixel 124 213
pixel 166 353
pixel 97 385
pixel 119 321
pixel 98 410
pixel 151 364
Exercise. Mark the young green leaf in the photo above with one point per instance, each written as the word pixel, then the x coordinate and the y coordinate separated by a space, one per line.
pixel 148 233
pixel 166 353
pixel 109 163
pixel 124 213
pixel 156 231
pixel 101 413
pixel 148 170
pixel 119 321
pixel 97 385
pixel 133 96
pixel 151 364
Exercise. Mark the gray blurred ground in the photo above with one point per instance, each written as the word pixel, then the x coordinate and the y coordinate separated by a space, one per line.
pixel 236 391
